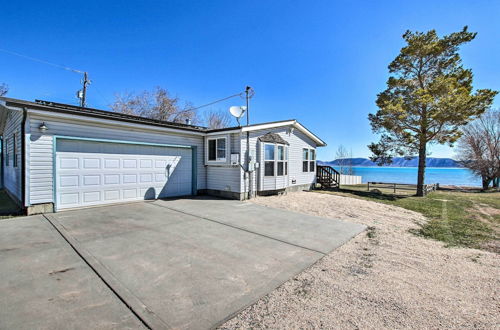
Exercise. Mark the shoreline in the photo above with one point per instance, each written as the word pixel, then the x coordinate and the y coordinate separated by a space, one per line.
pixel 415 167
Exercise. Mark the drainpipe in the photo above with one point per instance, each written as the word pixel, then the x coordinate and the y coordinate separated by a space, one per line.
pixel 1 162
pixel 249 174
pixel 23 158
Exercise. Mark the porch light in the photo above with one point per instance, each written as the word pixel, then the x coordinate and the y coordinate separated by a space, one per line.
pixel 43 127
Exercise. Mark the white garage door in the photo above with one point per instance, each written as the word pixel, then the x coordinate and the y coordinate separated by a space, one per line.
pixel 94 173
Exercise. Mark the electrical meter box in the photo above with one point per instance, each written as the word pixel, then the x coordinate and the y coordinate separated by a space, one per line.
pixel 235 159
pixel 251 164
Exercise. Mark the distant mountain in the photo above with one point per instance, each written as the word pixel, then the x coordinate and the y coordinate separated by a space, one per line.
pixel 397 162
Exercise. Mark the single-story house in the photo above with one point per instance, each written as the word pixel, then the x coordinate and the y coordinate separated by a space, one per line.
pixel 57 156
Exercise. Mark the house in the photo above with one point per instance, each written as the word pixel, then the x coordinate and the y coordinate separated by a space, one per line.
pixel 57 156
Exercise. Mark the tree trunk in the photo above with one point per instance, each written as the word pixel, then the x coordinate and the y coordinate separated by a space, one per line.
pixel 422 155
pixel 486 182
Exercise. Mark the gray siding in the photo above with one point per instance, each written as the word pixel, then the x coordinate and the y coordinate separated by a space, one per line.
pixel 297 141
pixel 13 175
pixel 41 148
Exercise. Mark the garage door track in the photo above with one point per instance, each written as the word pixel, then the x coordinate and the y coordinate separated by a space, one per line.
pixel 186 263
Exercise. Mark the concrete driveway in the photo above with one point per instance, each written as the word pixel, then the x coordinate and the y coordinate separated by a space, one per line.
pixel 187 263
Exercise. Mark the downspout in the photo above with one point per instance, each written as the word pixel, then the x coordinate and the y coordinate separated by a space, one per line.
pixel 249 173
pixel 243 169
pixel 23 158
pixel 1 162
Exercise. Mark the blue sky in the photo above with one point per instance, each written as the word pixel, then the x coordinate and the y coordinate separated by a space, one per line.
pixel 321 62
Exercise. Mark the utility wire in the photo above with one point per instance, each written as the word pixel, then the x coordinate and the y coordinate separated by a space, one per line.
pixel 81 72
pixel 40 61
pixel 208 104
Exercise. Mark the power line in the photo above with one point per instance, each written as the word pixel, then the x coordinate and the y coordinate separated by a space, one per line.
pixel 40 61
pixel 81 94
pixel 86 81
pixel 208 104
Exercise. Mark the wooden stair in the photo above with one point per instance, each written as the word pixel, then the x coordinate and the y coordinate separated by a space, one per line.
pixel 327 176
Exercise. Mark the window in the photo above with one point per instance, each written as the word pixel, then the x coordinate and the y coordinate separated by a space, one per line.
pixel 14 151
pixel 7 151
pixel 217 150
pixel 275 160
pixel 305 160
pixel 312 163
pixel 286 160
pixel 308 160
pixel 269 160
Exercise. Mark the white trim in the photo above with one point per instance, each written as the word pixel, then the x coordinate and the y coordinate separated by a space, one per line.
pixel 292 123
pixel 268 125
pixel 111 122
pixel 304 130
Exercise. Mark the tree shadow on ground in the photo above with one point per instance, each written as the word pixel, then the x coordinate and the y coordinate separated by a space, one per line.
pixel 373 194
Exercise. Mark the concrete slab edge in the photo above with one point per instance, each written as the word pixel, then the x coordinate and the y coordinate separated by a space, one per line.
pixel 239 228
pixel 232 315
pixel 133 303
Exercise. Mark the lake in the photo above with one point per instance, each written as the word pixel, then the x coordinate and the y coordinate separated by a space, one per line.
pixel 443 176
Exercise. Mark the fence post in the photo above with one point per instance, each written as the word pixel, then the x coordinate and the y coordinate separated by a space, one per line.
pixel 368 185
pixel 394 189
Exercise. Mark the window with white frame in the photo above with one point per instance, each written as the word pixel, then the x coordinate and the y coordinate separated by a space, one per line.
pixel 269 159
pixel 275 160
pixel 5 146
pixel 308 160
pixel 217 149
pixel 312 162
pixel 14 151
pixel 305 160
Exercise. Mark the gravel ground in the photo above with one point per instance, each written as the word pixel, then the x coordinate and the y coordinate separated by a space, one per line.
pixel 385 277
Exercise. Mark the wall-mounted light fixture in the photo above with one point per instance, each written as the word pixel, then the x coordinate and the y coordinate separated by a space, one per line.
pixel 43 127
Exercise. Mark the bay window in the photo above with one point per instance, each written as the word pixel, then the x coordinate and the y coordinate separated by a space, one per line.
pixel 269 160
pixel 281 160
pixel 275 160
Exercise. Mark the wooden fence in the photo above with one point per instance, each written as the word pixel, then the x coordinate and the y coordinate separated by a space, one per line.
pixel 402 186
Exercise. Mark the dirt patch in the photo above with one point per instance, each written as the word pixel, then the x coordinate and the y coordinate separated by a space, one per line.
pixel 385 277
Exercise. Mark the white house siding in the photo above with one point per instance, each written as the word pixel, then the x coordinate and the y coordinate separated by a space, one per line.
pixel 225 177
pixel 41 147
pixel 13 175
pixel 297 141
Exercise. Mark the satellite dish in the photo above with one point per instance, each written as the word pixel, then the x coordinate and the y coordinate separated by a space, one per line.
pixel 237 111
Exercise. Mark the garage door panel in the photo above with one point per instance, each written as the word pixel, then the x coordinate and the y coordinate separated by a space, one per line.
pixel 111 164
pixel 87 177
pixel 69 163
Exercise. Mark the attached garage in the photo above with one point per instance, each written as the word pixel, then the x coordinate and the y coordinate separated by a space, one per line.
pixel 91 172
pixel 59 157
